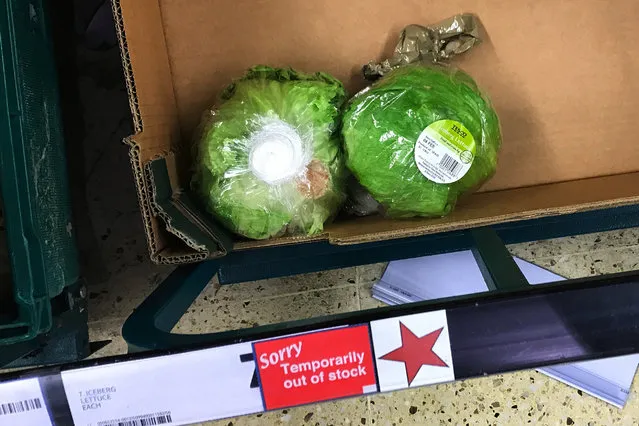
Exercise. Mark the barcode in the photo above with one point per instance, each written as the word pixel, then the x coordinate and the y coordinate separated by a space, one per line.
pixel 144 420
pixel 20 406
pixel 450 164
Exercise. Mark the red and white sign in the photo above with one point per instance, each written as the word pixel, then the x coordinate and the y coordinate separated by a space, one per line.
pixel 412 350
pixel 315 367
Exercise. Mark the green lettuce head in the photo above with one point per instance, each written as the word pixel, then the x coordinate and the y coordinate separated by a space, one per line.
pixel 269 160
pixel 419 138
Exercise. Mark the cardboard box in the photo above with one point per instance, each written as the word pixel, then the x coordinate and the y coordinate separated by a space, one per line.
pixel 563 77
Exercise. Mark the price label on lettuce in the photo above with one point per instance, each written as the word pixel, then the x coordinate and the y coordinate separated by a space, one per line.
pixel 444 152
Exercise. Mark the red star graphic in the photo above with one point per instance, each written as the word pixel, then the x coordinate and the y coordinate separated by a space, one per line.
pixel 416 351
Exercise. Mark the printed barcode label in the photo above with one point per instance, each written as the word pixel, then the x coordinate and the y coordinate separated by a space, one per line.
pixel 133 393
pixel 20 406
pixel 143 420
pixel 450 164
pixel 445 151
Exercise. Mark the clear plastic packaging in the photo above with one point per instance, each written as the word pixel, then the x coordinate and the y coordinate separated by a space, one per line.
pixel 423 134
pixel 269 160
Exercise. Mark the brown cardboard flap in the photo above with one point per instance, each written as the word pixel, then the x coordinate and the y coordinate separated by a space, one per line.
pixel 282 241
pixel 498 207
pixel 182 216
pixel 148 75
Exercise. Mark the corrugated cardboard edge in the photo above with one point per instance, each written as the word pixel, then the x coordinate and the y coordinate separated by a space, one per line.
pixel 475 223
pixel 138 174
pixel 134 149
pixel 180 215
pixel 127 68
pixel 142 182
pixel 157 202
pixel 281 241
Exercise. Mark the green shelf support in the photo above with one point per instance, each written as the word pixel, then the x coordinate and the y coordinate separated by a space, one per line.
pixel 495 262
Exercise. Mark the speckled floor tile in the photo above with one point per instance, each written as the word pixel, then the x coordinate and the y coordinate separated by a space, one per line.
pixel 519 398
pixel 367 275
pixel 124 291
pixel 598 262
pixel 576 244
pixel 366 300
pixel 289 285
pixel 370 273
pixel 214 314
pixel 108 330
pixel 345 412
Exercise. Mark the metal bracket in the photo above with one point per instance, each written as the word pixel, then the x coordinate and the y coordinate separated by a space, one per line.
pixel 496 263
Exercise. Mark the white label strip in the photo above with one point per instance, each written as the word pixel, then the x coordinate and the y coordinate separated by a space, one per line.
pixel 412 350
pixel 22 404
pixel 169 390
pixel 217 383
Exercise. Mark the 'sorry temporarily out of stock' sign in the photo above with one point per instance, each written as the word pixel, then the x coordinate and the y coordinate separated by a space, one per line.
pixel 315 367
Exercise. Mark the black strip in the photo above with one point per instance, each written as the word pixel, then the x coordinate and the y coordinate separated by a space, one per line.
pixel 259 379
pixel 247 357
pixel 370 339
pixel 490 332
pixel 55 399
pixel 251 358
pixel 495 262
pixel 508 335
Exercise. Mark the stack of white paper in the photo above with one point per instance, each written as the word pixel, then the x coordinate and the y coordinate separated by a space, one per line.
pixel 454 274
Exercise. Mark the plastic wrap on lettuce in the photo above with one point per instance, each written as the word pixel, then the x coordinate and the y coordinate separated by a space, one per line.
pixel 269 158
pixel 423 134
pixel 420 137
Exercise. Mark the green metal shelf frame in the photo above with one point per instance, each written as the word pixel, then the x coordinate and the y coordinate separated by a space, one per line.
pixel 150 325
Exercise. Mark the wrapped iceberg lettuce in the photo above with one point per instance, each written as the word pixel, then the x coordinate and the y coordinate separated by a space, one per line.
pixel 423 134
pixel 269 157
pixel 419 137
